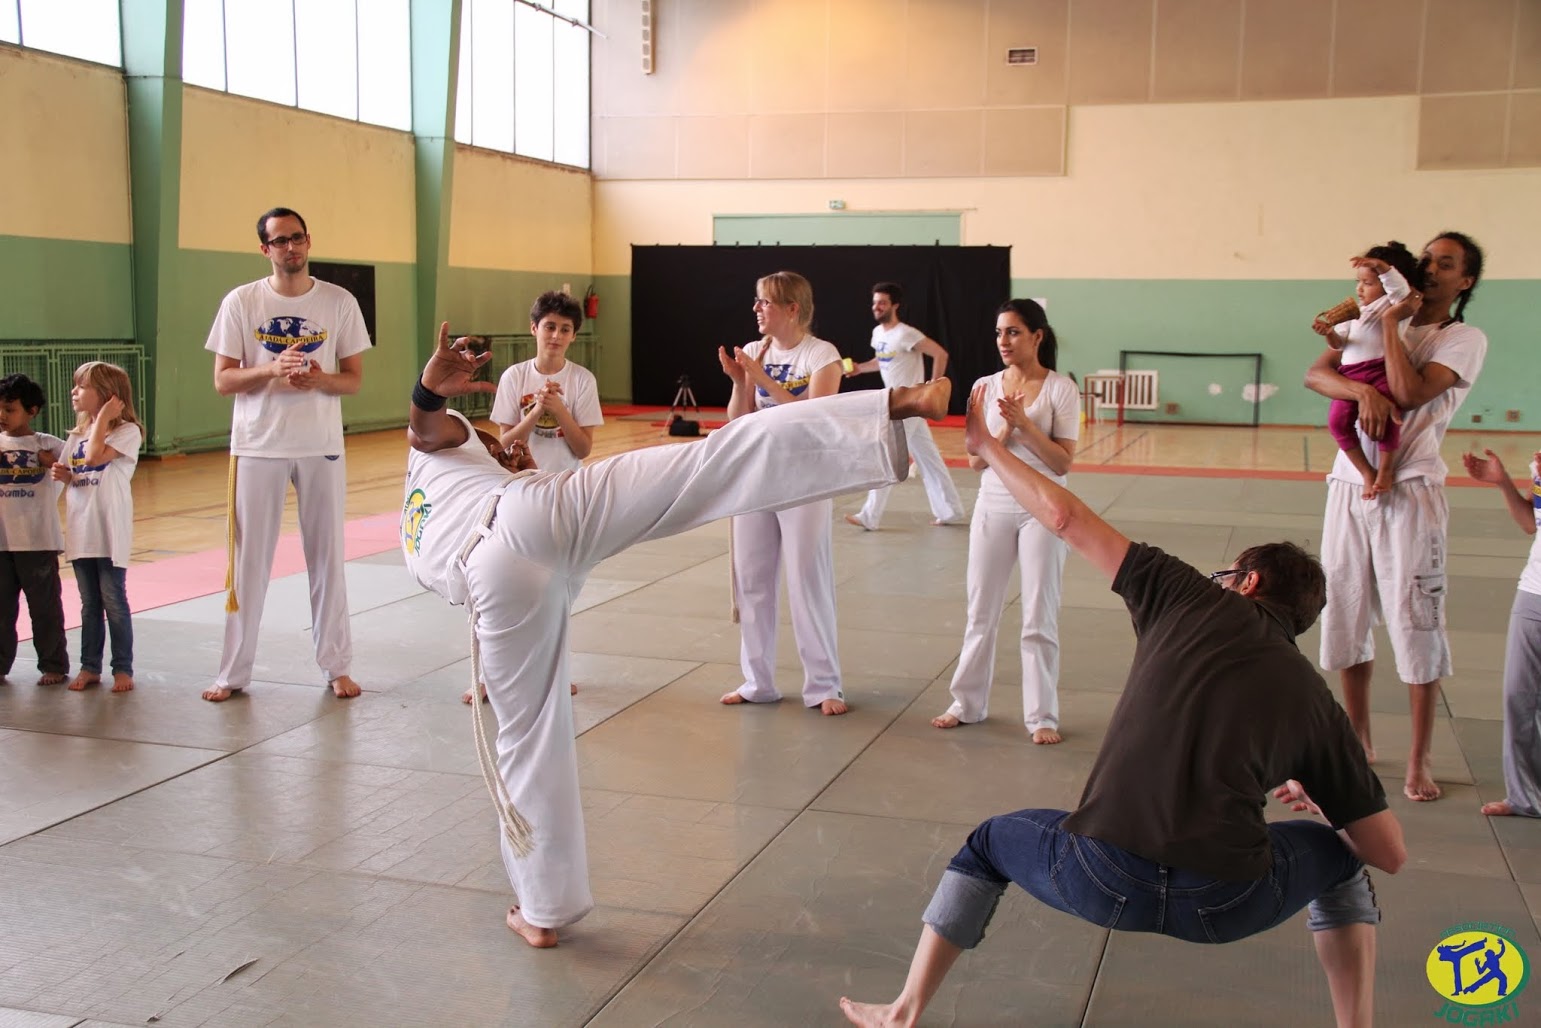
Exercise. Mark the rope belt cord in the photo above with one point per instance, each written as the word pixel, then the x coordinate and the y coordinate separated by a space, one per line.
pixel 231 604
pixel 732 578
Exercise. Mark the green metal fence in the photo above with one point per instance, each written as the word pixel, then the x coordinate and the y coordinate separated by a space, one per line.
pixel 52 365
pixel 509 349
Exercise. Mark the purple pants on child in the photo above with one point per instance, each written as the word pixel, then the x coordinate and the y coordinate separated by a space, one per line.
pixel 1343 415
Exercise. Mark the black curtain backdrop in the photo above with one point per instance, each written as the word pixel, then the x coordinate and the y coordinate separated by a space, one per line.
pixel 688 300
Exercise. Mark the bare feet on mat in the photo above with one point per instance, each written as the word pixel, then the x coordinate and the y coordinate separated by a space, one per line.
pixel 344 687
pixel 731 698
pixel 830 708
pixel 852 519
pixel 944 522
pixel 945 721
pixel 219 693
pixel 52 678
pixel 574 687
pixel 122 682
pixel 1420 786
pixel 540 938
pixel 465 697
pixel 84 680
pixel 1046 737
pixel 871 1015
pixel 1498 808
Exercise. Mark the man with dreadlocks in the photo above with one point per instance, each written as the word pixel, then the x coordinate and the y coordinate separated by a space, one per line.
pixel 1385 557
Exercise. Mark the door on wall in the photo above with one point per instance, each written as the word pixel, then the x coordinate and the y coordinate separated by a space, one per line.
pixel 688 300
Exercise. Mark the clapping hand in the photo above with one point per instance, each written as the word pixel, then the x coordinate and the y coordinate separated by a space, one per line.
pixel 451 369
pixel 1013 410
pixel 1487 469
pixel 730 367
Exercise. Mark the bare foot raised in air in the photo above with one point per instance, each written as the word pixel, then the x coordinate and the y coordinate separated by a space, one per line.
pixel 1046 737
pixel 830 708
pixel 84 680
pixel 52 678
pixel 874 1015
pixel 540 938
pixel 344 687
pixel 945 721
pixel 1498 808
pixel 219 693
pixel 122 681
pixel 1420 786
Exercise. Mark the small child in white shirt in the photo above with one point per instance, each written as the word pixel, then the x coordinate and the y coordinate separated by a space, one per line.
pixel 30 539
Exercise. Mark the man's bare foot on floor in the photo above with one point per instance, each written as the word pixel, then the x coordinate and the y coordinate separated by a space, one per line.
pixel 1498 808
pixel 872 1015
pixel 52 678
pixel 1046 737
pixel 1420 786
pixel 852 519
pixel 219 693
pixel 344 687
pixel 830 708
pixel 122 681
pixel 465 697
pixel 945 522
pixel 540 938
pixel 945 721
pixel 731 698
pixel 84 680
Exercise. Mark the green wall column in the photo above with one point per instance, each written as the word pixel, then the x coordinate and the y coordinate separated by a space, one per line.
pixel 435 75
pixel 152 70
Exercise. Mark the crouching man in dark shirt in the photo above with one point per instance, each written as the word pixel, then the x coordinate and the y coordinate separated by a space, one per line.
pixel 1220 707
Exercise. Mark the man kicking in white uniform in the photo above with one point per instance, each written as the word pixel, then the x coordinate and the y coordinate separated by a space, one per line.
pixel 288 348
pixel 899 350
pixel 517 548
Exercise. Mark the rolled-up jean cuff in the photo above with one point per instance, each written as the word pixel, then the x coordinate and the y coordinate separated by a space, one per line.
pixel 1351 901
pixel 961 908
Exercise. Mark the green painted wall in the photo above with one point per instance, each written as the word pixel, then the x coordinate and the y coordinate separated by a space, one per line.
pixel 856 228
pixel 64 289
pixel 1095 319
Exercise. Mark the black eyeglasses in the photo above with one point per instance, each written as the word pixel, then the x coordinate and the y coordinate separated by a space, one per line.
pixel 1215 576
pixel 280 242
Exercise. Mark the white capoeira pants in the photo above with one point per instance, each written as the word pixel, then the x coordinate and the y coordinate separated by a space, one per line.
pixel 940 491
pixel 996 543
pixel 1522 706
pixel 1385 560
pixel 798 538
pixel 549 531
pixel 321 489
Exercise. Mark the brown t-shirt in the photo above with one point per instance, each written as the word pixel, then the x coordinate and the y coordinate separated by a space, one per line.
pixel 1220 707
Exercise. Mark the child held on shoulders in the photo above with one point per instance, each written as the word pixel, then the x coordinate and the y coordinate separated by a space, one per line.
pixel 101 454
pixel 30 539
pixel 1384 276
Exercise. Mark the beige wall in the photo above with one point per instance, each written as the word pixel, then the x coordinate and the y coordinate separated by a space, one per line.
pixel 512 214
pixel 354 183
pixel 794 89
pixel 63 184
pixel 1183 191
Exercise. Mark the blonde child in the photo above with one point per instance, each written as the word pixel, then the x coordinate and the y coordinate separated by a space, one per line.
pixel 101 454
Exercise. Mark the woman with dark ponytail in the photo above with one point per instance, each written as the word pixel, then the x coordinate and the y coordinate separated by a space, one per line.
pixel 1386 555
pixel 1036 412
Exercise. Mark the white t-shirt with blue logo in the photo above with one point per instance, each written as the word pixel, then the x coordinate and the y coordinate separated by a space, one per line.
pixel 516 395
pixel 99 506
pixel 793 368
pixel 899 362
pixel 29 497
pixel 254 325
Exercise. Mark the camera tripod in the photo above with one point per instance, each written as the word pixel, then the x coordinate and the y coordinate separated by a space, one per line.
pixel 684 396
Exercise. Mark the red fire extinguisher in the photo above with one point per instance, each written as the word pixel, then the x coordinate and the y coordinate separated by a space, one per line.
pixel 591 303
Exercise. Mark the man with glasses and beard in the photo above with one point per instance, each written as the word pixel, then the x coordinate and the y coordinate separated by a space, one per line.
pixel 287 348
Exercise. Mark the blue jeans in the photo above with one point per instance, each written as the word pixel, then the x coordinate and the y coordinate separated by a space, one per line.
pixel 1110 887
pixel 104 591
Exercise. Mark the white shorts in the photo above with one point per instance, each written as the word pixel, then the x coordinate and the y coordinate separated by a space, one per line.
pixel 1385 563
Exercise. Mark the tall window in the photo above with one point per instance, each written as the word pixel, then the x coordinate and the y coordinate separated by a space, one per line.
pixel 349 58
pixel 87 29
pixel 524 79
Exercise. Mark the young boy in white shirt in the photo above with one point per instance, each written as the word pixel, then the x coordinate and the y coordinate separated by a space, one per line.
pixel 30 534
pixel 548 402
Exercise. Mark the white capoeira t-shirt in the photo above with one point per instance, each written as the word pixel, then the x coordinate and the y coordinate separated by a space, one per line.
pixel 1459 347
pixel 1530 578
pixel 792 369
pixel 899 362
pixel 254 325
pixel 1056 411
pixel 100 504
pixel 1363 337
pixel 447 492
pixel 516 395
pixel 29 497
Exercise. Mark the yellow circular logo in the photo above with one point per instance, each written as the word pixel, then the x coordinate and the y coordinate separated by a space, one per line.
pixel 1477 965
pixel 414 515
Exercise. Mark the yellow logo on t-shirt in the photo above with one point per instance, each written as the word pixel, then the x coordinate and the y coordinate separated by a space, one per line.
pixel 414 515
pixel 1479 970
